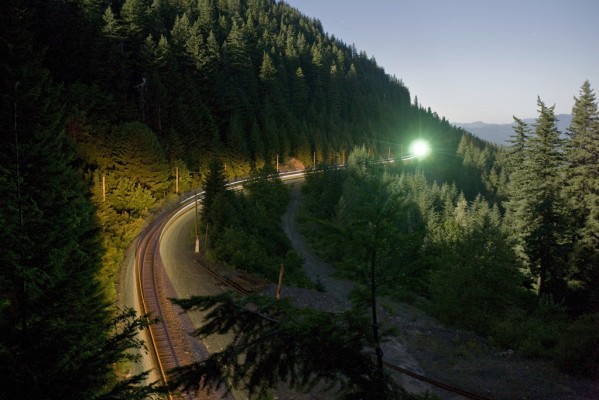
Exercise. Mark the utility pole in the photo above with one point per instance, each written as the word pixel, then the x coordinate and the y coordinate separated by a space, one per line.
pixel 206 239
pixel 197 247
pixel 281 271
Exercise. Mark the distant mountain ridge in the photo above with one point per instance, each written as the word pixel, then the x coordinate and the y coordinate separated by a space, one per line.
pixel 500 133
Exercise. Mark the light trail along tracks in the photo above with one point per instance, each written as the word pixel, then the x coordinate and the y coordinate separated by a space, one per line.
pixel 168 353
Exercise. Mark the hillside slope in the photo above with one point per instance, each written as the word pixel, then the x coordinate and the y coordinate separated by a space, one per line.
pixel 243 81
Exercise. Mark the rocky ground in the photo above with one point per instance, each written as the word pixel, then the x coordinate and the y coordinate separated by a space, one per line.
pixel 458 358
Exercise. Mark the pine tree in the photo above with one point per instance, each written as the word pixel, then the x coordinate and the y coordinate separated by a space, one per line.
pixel 257 145
pixel 180 30
pixel 274 342
pixel 58 338
pixel 213 186
pixel 236 138
pixel 206 15
pixel 516 160
pixel 474 279
pixel 268 70
pixel 582 189
pixel 366 221
pixel 535 205
pixel 134 15
pixel 137 154
pixel 237 59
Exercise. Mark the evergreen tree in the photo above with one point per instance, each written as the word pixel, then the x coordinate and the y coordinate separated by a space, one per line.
pixel 257 143
pixel 133 13
pixel 58 339
pixel 582 189
pixel 137 154
pixel 237 58
pixel 535 201
pixel 275 342
pixel 474 281
pixel 516 167
pixel 206 15
pixel 519 142
pixel 268 70
pixel 213 186
pixel 181 30
pixel 368 225
pixel 236 138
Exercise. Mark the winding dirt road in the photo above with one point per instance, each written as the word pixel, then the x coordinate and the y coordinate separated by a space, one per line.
pixel 424 346
pixel 337 291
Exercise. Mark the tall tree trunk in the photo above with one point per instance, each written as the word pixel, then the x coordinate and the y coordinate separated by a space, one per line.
pixel 375 323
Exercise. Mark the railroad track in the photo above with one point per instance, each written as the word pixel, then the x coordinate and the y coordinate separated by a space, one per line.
pixel 239 282
pixel 167 352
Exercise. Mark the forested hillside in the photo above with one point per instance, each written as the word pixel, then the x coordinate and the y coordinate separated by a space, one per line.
pixel 241 80
pixel 106 103
pixel 152 91
pixel 112 108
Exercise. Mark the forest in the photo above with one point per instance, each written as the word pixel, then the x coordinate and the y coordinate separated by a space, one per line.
pixel 113 108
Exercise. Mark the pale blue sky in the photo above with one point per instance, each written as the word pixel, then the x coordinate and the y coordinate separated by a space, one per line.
pixel 474 60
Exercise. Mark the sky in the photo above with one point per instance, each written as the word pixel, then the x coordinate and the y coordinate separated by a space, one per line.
pixel 474 60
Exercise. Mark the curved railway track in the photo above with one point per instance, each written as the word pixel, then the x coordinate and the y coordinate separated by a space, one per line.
pixel 166 353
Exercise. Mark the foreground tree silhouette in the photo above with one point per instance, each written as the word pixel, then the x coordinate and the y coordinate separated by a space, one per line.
pixel 274 342
pixel 59 337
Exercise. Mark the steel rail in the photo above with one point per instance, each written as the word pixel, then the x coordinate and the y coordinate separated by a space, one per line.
pixel 436 383
pixel 149 266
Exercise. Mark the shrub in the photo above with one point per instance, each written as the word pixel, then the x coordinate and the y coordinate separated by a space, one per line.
pixel 577 352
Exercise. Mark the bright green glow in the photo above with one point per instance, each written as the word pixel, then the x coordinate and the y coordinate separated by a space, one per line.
pixel 420 148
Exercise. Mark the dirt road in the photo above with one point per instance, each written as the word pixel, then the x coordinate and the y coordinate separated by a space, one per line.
pixel 458 358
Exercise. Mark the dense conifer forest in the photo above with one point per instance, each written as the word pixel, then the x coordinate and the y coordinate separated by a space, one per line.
pixel 110 109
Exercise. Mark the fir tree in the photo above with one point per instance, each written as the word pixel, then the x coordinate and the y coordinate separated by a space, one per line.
pixel 582 189
pixel 535 201
pixel 58 337
pixel 213 186
pixel 137 154
pixel 516 161
pixel 281 343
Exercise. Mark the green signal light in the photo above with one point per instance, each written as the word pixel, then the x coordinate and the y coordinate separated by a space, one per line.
pixel 420 148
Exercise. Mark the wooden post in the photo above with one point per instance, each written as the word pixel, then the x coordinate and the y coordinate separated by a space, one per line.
pixel 197 247
pixel 280 282
pixel 103 188
pixel 314 161
pixel 277 163
pixel 177 180
pixel 206 239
